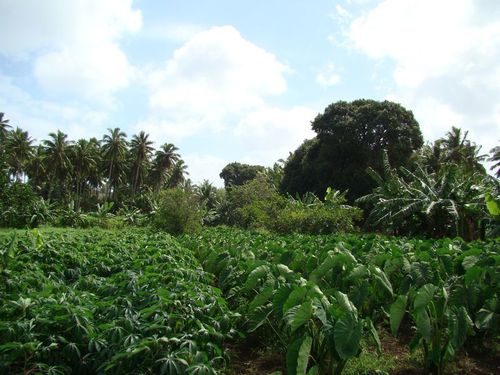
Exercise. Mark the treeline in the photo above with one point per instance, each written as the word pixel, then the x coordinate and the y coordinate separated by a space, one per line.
pixel 367 167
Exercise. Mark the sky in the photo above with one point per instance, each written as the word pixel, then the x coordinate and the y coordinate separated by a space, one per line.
pixel 228 80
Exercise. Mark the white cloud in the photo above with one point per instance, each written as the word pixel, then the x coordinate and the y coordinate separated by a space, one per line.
pixel 41 117
pixel 216 73
pixel 328 77
pixel 73 43
pixel 446 57
pixel 268 134
pixel 205 167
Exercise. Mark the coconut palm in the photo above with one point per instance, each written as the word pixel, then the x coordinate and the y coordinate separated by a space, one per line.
pixel 86 160
pixel 36 169
pixel 4 127
pixel 140 152
pixel 177 175
pixel 114 149
pixel 207 193
pixel 19 151
pixel 459 150
pixel 163 161
pixel 58 151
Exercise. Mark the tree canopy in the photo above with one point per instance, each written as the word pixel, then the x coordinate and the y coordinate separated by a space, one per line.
pixel 237 174
pixel 351 136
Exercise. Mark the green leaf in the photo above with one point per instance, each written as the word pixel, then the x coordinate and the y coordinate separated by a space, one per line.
pixel 261 298
pixel 292 355
pixel 374 334
pixel 469 261
pixel 296 297
pixel 347 336
pixel 397 312
pixel 255 276
pixel 424 296
pixel 297 316
pixel 485 319
pixel 344 302
pixel 382 281
pixel 323 268
pixel 303 356
pixel 462 325
pixel 492 205
pixel 423 323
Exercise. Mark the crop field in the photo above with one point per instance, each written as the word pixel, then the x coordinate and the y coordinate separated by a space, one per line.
pixel 136 301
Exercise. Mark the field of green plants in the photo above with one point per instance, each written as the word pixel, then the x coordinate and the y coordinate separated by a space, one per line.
pixel 138 301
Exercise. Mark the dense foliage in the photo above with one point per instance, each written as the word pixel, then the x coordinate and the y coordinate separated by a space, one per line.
pixel 351 136
pixel 96 301
pixel 321 297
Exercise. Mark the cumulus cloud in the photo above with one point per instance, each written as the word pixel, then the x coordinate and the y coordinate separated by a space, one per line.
pixel 41 117
pixel 328 77
pixel 216 86
pixel 446 57
pixel 74 44
pixel 215 73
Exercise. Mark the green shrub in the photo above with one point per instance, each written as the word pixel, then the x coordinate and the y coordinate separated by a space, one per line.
pixel 17 202
pixel 318 219
pixel 177 212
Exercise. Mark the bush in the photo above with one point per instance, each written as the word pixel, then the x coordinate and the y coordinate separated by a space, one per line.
pixel 17 203
pixel 318 219
pixel 177 212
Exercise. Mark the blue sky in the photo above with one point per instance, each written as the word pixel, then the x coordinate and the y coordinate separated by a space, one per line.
pixel 242 80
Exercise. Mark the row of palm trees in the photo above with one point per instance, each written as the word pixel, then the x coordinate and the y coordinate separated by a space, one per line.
pixel 111 168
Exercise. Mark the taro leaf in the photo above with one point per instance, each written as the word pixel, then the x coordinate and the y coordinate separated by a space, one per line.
pixel 485 319
pixel 462 325
pixel 396 313
pixel 344 302
pixel 255 276
pixel 292 355
pixel 424 296
pixel 297 316
pixel 423 323
pixel 374 334
pixel 261 298
pixel 347 336
pixel 382 281
pixel 313 370
pixel 303 357
pixel 323 268
pixel 296 297
pixel 279 299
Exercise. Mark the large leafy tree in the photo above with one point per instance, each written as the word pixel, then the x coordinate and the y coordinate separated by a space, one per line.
pixel 351 136
pixel 114 148
pixel 237 174
pixel 19 146
pixel 141 149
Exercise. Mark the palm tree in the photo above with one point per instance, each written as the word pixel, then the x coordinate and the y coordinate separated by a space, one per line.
pixel 4 126
pixel 114 149
pixel 164 160
pixel 36 169
pixel 178 174
pixel 58 161
pixel 19 151
pixel 459 150
pixel 140 152
pixel 86 160
pixel 207 193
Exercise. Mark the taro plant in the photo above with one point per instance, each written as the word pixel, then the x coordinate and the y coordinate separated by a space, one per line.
pixel 441 328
